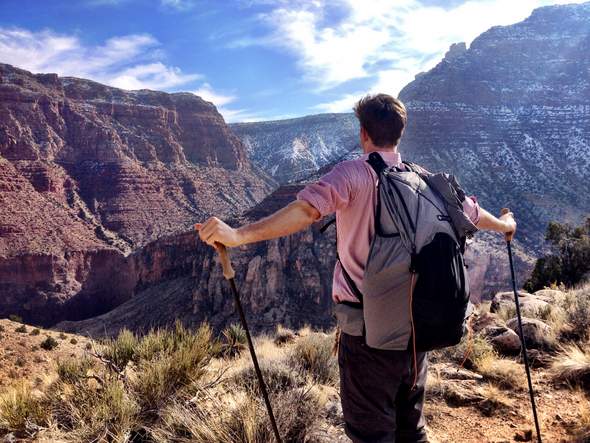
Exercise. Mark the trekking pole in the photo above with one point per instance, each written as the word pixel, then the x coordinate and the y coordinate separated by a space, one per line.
pixel 521 333
pixel 229 274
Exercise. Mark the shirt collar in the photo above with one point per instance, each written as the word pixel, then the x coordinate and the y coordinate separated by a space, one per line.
pixel 391 158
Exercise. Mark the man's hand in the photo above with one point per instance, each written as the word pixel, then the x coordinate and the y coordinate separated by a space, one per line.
pixel 504 224
pixel 507 218
pixel 216 231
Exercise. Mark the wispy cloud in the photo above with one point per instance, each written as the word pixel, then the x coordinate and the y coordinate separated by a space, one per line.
pixel 207 93
pixel 387 41
pixel 127 62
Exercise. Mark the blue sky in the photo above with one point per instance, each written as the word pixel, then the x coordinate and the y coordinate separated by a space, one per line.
pixel 255 59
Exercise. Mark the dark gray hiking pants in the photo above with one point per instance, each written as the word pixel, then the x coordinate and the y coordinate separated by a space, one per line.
pixel 377 402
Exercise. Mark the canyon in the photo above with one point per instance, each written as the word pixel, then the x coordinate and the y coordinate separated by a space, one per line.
pixel 100 186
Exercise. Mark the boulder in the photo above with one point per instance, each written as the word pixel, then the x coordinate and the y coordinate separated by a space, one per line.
pixel 530 305
pixel 537 334
pixel 504 339
pixel 485 320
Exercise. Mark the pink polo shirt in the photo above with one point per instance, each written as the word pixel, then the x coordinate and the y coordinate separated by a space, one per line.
pixel 349 190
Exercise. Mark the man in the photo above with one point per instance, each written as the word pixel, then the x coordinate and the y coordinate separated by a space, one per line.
pixel 382 392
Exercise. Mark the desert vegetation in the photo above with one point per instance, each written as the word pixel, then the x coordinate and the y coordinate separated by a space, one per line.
pixel 181 385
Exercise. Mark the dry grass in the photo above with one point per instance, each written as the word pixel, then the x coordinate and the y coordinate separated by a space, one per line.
pixel 20 410
pixel 502 372
pixel 471 351
pixel 572 366
pixel 495 401
pixel 283 336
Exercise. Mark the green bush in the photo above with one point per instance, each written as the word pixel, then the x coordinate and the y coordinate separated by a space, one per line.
pixel 35 331
pixel 49 343
pixel 73 341
pixel 569 261
pixel 21 329
pixel 234 340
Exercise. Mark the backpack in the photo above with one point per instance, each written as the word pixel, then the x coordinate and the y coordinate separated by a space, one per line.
pixel 415 290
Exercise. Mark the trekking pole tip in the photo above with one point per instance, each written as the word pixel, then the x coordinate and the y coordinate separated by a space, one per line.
pixel 228 270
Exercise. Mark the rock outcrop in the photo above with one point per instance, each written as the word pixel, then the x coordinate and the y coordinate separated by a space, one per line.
pixel 90 173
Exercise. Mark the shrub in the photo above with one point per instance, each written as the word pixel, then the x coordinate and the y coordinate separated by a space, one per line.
pixel 243 420
pixel 502 372
pixel 278 377
pixel 235 340
pixel 73 341
pixel 21 329
pixel 19 409
pixel 471 351
pixel 572 366
pixel 62 336
pixel 173 368
pixel 15 318
pixel 91 412
pixel 120 350
pixel 20 362
pixel 2 329
pixel 578 314
pixel 312 354
pixel 72 370
pixel 35 331
pixel 283 336
pixel 49 343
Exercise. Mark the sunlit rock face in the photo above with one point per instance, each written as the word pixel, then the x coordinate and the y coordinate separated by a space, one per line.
pixel 90 173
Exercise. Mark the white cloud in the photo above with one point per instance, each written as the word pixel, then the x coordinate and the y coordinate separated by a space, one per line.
pixel 387 40
pixel 207 93
pixel 126 62
pixel 343 104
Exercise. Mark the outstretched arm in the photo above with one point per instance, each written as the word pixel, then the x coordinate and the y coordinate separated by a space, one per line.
pixel 294 217
pixel 505 224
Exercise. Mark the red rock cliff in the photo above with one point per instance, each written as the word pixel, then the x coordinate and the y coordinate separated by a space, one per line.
pixel 90 173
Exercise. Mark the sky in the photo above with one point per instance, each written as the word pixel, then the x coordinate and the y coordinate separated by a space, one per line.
pixel 254 59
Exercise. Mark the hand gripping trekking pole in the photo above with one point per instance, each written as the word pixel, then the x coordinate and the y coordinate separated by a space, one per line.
pixel 229 274
pixel 521 334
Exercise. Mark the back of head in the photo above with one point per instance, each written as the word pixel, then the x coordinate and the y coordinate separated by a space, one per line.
pixel 383 117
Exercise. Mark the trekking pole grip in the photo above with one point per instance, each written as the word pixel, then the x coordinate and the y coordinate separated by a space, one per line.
pixel 228 270
pixel 507 235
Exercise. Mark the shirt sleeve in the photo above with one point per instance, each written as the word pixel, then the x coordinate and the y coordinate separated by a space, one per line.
pixel 471 208
pixel 331 193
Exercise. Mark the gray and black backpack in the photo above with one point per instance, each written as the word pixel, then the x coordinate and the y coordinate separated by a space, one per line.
pixel 415 289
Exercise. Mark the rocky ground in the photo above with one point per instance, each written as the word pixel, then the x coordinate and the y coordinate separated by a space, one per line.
pixel 476 391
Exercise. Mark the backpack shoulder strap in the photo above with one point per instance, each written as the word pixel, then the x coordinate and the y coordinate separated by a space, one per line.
pixel 377 163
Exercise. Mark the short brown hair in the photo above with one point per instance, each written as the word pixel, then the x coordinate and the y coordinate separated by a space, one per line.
pixel 383 117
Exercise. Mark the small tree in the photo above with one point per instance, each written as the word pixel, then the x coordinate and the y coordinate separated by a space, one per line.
pixel 569 261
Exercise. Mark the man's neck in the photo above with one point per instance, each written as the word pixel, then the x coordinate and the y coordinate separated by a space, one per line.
pixel 370 149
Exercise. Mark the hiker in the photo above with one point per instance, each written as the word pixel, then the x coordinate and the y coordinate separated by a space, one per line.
pixel 382 391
